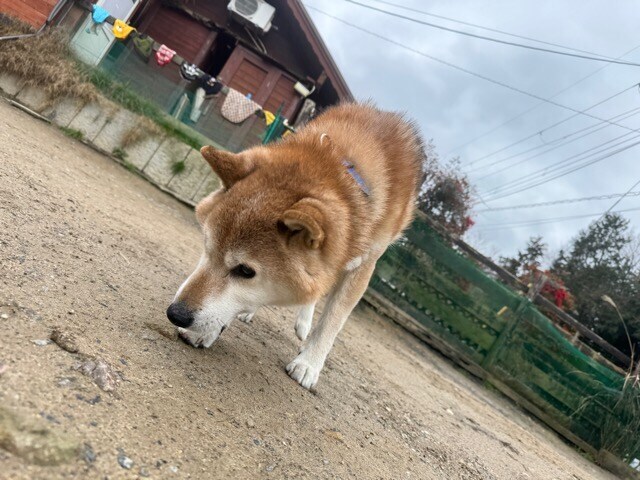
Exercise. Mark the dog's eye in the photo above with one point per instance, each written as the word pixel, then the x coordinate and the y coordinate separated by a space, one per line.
pixel 243 271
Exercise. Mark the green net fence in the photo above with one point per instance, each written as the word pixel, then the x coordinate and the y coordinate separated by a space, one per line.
pixel 500 335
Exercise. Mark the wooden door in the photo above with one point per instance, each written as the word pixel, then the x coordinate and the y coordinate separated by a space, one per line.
pixel 268 85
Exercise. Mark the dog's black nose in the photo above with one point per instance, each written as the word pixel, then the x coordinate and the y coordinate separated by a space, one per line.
pixel 180 315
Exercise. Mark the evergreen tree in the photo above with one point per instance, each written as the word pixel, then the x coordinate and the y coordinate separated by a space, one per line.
pixel 596 265
pixel 525 260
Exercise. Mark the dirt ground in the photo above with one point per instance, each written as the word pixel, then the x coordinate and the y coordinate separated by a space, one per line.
pixel 97 252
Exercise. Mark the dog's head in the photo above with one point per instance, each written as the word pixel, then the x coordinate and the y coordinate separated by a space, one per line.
pixel 263 242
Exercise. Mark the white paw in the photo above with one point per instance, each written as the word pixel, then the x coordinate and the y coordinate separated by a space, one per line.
pixel 303 326
pixel 199 338
pixel 304 372
pixel 246 317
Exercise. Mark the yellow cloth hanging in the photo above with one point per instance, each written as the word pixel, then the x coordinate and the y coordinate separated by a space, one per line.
pixel 268 117
pixel 121 30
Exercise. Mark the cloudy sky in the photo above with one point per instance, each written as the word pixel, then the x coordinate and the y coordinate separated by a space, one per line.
pixel 454 108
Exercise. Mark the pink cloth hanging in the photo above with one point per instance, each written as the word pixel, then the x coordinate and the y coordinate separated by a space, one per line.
pixel 164 55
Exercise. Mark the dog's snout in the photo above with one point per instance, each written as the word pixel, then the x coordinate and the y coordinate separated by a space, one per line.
pixel 180 315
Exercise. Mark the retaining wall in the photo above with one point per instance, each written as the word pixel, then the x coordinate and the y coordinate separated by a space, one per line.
pixel 110 128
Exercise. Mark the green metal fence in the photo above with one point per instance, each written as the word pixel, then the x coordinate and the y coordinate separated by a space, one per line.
pixel 499 335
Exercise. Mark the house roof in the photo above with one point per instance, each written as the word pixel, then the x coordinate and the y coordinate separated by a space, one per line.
pixel 320 49
pixel 295 26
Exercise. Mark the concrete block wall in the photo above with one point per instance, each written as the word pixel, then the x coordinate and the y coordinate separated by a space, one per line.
pixel 105 126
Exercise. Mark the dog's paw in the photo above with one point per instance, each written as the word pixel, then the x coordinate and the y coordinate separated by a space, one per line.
pixel 304 372
pixel 246 317
pixel 303 326
pixel 199 339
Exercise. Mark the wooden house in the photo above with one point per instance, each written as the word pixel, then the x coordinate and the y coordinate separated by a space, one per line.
pixel 269 50
pixel 267 65
pixel 33 12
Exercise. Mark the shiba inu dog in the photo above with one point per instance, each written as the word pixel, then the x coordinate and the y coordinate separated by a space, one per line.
pixel 298 220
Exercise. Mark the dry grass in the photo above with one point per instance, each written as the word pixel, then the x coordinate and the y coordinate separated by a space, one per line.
pixel 146 128
pixel 43 62
pixel 618 407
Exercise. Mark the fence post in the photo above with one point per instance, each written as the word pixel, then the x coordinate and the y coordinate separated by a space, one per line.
pixel 506 332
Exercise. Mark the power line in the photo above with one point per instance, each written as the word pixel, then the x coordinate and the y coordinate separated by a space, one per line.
pixel 537 105
pixel 567 162
pixel 555 145
pixel 622 116
pixel 462 69
pixel 542 221
pixel 564 120
pixel 627 193
pixel 525 182
pixel 611 154
pixel 489 29
pixel 559 202
pixel 599 58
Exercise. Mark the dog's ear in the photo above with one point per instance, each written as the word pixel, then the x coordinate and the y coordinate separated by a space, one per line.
pixel 307 218
pixel 206 205
pixel 230 167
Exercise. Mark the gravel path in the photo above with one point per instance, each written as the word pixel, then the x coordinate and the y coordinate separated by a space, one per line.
pixel 95 253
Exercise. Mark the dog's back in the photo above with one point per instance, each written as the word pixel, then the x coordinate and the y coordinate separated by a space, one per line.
pixel 386 152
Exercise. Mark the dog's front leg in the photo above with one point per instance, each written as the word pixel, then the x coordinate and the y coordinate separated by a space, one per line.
pixel 306 367
pixel 304 321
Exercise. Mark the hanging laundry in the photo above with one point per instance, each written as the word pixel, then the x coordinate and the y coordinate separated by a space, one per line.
pixel 210 85
pixel 237 108
pixel 196 109
pixel 268 117
pixel 164 55
pixel 143 45
pixel 189 71
pixel 121 30
pixel 98 16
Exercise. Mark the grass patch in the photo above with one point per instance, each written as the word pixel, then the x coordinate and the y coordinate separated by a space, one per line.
pixel 130 166
pixel 72 133
pixel 620 432
pixel 178 167
pixel 119 153
pixel 619 428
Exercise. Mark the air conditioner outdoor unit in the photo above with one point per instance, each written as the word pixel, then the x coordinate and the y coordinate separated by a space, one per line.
pixel 257 14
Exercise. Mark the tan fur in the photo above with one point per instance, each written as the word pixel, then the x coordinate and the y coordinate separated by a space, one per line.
pixel 293 213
